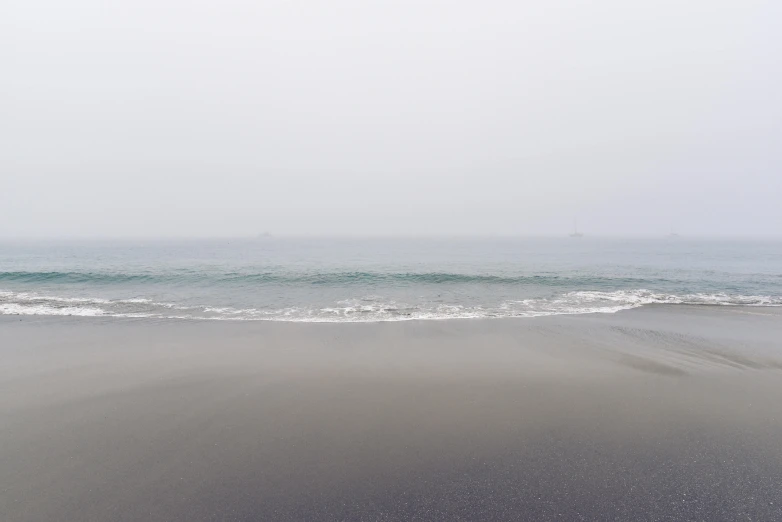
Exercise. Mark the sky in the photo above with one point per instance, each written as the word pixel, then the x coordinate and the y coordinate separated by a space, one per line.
pixel 354 117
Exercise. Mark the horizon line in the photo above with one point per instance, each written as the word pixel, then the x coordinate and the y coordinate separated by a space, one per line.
pixel 262 237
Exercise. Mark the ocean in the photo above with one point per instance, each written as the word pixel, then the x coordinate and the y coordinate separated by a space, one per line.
pixel 364 280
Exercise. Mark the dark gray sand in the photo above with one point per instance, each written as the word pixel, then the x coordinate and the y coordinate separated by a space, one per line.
pixel 660 413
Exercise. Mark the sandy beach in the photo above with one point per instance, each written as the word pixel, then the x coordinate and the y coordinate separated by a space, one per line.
pixel 658 413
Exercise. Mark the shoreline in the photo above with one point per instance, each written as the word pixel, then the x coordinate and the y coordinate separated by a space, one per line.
pixel 655 412
pixel 769 309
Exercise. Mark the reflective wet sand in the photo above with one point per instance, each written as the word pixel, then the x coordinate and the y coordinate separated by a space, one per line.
pixel 652 414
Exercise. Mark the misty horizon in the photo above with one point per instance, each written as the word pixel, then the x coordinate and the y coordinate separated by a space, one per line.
pixel 664 236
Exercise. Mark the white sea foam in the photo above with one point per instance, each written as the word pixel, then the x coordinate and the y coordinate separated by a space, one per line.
pixel 32 297
pixel 37 309
pixel 370 309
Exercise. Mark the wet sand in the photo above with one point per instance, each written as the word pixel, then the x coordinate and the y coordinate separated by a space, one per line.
pixel 660 413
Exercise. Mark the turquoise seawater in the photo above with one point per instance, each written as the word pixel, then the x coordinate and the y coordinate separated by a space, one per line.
pixel 381 279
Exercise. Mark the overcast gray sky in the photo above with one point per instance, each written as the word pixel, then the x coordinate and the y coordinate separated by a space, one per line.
pixel 193 118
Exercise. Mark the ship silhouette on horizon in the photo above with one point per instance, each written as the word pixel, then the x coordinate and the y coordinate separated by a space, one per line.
pixel 575 232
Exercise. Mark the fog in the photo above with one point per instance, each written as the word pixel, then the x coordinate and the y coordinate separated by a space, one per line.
pixel 174 118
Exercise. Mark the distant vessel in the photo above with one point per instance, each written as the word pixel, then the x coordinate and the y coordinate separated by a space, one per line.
pixel 576 233
pixel 673 234
pixel 264 235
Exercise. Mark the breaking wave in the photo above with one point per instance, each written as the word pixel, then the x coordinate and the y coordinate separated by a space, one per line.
pixel 343 278
pixel 370 308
